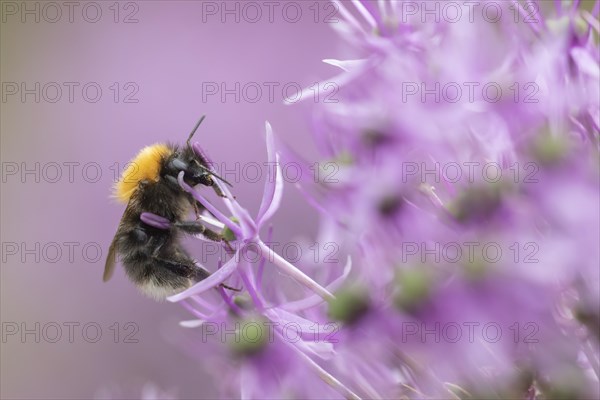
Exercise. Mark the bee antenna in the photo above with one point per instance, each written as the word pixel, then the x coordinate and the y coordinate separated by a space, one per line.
pixel 208 171
pixel 194 130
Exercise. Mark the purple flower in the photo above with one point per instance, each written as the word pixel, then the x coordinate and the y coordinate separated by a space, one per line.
pixel 430 181
pixel 471 220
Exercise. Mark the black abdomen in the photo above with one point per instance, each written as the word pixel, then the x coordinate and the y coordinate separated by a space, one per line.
pixel 152 257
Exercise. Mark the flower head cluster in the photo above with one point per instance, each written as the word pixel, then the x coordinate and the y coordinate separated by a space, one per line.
pixel 467 196
pixel 468 184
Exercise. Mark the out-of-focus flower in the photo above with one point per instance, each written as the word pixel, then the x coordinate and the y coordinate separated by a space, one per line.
pixel 467 183
pixel 466 190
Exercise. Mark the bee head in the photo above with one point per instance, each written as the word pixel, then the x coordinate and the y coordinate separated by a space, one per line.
pixel 165 162
pixel 194 172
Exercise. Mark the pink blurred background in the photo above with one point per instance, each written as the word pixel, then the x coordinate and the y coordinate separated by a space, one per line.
pixel 167 54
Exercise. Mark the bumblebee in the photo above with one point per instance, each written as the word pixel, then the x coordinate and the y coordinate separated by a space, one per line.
pixel 153 258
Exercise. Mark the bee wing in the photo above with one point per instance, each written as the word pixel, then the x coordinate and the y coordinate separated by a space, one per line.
pixel 111 261
pixel 111 258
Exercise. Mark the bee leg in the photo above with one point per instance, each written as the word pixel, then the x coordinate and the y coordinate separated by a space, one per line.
pixel 172 180
pixel 199 273
pixel 196 210
pixel 149 245
pixel 196 228
pixel 218 190
pixel 139 234
pixel 152 245
pixel 230 288
pixel 176 267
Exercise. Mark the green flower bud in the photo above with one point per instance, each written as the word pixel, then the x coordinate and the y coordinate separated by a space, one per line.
pixel 227 233
pixel 343 158
pixel 475 269
pixel 349 305
pixel 251 336
pixel 243 301
pixel 550 149
pixel 477 202
pixel 414 286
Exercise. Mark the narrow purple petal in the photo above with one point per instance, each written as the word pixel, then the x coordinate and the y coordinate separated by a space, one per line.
pixel 585 62
pixel 365 13
pixel 248 228
pixel 198 150
pixel 315 300
pixel 591 18
pixel 294 272
pixel 346 65
pixel 339 81
pixel 309 330
pixel 202 303
pixel 250 288
pixel 326 376
pixel 193 310
pixel 212 281
pixel 191 323
pixel 263 260
pixel 347 15
pixel 199 322
pixel 228 300
pixel 274 186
